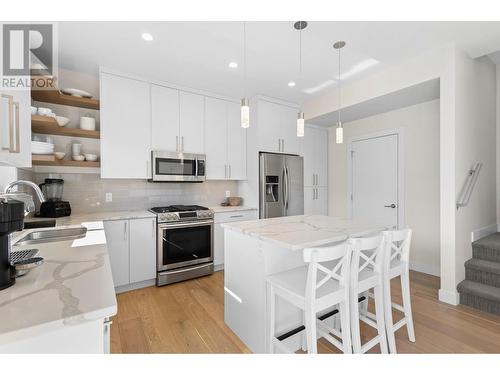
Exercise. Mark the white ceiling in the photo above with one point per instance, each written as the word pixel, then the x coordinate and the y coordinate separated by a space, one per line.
pixel 196 54
pixel 420 93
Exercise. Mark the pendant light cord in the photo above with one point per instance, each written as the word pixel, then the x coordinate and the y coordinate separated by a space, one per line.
pixel 340 91
pixel 300 53
pixel 244 59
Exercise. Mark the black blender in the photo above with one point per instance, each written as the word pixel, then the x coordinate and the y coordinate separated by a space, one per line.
pixel 54 206
pixel 11 220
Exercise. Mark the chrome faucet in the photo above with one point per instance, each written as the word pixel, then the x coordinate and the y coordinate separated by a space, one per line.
pixel 28 206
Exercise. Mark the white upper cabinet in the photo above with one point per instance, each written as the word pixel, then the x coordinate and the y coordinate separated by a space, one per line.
pixel 278 128
pixel 225 140
pixel 15 128
pixel 315 150
pixel 216 138
pixel 236 143
pixel 192 116
pixel 125 127
pixel 165 125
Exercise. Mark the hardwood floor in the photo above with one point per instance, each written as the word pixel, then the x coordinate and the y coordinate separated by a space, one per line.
pixel 188 317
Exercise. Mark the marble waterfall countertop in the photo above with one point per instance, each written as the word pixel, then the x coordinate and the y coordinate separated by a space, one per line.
pixel 73 285
pixel 299 232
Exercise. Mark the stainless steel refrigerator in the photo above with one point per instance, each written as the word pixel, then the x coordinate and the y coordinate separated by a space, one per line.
pixel 281 185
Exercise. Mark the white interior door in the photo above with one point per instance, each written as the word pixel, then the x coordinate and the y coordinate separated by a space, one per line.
pixel 374 184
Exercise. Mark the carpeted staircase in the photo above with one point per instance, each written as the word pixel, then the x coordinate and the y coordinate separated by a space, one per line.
pixel 481 287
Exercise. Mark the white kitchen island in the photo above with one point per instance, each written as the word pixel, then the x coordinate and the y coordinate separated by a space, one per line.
pixel 258 248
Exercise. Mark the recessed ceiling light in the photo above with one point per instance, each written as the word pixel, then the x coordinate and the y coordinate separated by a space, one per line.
pixel 147 36
pixel 291 84
pixel 233 64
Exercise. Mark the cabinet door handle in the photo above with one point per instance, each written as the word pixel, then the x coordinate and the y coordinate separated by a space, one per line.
pixel 177 143
pixel 182 143
pixel 10 100
pixel 153 222
pixel 229 170
pixel 279 145
pixel 125 230
pixel 17 147
pixel 235 216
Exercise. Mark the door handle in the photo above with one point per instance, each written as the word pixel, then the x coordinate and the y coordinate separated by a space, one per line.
pixel 225 170
pixel 391 206
pixel 153 222
pixel 177 143
pixel 125 230
pixel 16 149
pixel 229 170
pixel 279 145
pixel 182 143
pixel 10 100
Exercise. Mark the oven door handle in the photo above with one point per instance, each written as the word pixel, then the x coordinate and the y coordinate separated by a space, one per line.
pixel 185 224
pixel 196 166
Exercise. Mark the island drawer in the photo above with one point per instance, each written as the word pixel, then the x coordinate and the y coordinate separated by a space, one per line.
pixel 227 217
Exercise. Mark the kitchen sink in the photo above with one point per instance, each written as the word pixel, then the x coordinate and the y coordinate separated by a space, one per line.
pixel 52 235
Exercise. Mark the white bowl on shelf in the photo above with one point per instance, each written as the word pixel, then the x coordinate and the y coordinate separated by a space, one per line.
pixel 59 155
pixel 78 157
pixel 90 157
pixel 62 121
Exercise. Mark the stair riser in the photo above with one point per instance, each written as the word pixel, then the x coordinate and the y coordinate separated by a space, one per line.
pixel 480 303
pixel 485 254
pixel 482 277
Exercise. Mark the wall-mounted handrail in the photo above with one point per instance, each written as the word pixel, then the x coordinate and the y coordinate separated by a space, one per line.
pixel 468 188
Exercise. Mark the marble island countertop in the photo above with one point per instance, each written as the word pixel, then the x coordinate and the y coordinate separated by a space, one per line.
pixel 72 286
pixel 299 232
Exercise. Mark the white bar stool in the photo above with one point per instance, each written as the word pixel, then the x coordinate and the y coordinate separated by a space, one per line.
pixel 366 273
pixel 397 263
pixel 305 288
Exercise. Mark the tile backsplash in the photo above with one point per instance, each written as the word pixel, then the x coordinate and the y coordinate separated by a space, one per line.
pixel 86 192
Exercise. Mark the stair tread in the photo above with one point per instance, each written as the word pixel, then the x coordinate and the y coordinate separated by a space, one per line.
pixel 491 242
pixel 489 292
pixel 483 265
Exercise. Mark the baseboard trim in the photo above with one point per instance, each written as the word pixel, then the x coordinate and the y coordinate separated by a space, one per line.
pixel 425 268
pixel 483 232
pixel 139 285
pixel 218 267
pixel 449 297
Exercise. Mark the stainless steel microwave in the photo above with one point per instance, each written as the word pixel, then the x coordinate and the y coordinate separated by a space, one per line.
pixel 170 166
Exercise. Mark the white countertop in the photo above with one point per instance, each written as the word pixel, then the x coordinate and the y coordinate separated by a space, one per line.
pixel 299 232
pixel 231 208
pixel 73 285
pixel 100 216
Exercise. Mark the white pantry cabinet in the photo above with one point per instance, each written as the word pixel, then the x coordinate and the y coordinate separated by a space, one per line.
pixel 227 217
pixel 15 128
pixel 315 152
pixel 125 127
pixel 177 120
pixel 225 140
pixel 277 128
pixel 132 250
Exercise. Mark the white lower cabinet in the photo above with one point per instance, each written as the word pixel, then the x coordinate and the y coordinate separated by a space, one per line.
pixel 227 217
pixel 132 250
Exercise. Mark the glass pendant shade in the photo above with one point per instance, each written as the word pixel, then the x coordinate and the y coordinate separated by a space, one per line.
pixel 339 133
pixel 300 124
pixel 245 113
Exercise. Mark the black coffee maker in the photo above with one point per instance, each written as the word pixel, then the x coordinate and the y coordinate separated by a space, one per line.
pixel 11 220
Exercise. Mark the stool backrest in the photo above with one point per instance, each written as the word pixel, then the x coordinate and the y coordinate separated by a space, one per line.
pixel 398 245
pixel 367 254
pixel 319 273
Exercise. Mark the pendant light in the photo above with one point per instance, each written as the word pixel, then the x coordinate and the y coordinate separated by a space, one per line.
pixel 245 103
pixel 339 132
pixel 300 25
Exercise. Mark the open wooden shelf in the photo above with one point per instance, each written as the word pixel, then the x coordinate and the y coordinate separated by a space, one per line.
pixel 42 158
pixel 48 125
pixel 56 97
pixel 68 163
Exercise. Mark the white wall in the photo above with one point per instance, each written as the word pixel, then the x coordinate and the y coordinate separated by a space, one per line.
pixel 421 139
pixel 475 142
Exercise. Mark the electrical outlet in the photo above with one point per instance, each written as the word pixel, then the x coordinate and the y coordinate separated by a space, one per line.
pixel 109 197
pixel 228 193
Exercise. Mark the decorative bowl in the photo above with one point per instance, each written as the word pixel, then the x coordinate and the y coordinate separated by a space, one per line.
pixel 62 121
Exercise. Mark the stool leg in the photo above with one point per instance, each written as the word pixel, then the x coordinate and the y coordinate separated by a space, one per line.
pixel 405 288
pixel 304 333
pixel 310 323
pixel 389 322
pixel 271 317
pixel 379 311
pixel 345 326
pixel 354 316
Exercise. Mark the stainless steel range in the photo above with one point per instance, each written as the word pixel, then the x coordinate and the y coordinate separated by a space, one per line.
pixel 185 243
